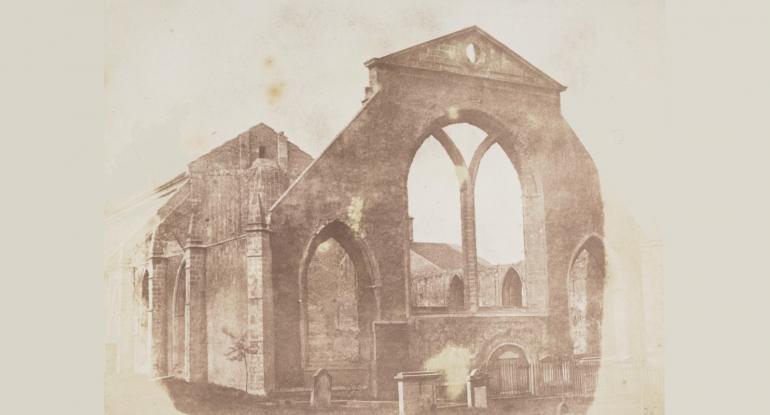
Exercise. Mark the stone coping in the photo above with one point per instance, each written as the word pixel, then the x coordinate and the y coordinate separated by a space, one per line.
pixel 422 375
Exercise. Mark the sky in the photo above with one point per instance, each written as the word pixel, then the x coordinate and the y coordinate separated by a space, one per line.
pixel 182 78
pixel 434 197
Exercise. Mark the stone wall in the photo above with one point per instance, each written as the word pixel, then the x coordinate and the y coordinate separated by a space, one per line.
pixel 368 163
pixel 429 336
pixel 225 310
pixel 218 189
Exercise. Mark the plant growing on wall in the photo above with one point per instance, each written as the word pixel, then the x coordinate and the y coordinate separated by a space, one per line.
pixel 239 351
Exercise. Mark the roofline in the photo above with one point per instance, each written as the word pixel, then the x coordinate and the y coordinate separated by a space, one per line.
pixel 557 84
pixel 419 45
pixel 159 191
pixel 325 150
pixel 143 230
pixel 413 252
pixel 415 70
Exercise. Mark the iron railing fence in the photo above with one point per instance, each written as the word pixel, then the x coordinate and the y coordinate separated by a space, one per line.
pixel 515 378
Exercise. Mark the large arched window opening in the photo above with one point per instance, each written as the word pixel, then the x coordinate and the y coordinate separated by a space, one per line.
pixel 488 235
pixel 178 309
pixel 467 138
pixel 339 304
pixel 434 196
pixel 456 300
pixel 585 289
pixel 512 289
pixel 499 209
pixel 332 308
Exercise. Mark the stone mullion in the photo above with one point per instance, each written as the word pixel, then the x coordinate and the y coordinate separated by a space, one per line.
pixel 470 268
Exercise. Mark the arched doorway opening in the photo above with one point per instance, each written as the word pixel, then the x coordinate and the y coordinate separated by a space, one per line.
pixel 509 371
pixel 513 289
pixel 585 293
pixel 339 304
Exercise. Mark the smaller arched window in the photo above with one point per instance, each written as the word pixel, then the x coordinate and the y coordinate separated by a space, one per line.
pixel 146 291
pixel 512 289
pixel 456 294
pixel 178 321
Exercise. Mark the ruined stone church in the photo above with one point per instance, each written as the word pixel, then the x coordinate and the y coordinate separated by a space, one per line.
pixel 313 261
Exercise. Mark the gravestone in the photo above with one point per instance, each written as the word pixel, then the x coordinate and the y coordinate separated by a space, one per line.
pixel 416 392
pixel 477 389
pixel 321 396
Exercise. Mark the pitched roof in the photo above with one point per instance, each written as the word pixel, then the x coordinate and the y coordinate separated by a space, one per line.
pixel 142 213
pixel 494 60
pixel 420 265
pixel 443 255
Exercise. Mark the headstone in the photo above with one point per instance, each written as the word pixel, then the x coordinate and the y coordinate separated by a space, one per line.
pixel 477 389
pixel 416 392
pixel 321 396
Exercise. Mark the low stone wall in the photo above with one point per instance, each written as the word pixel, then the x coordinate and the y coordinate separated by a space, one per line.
pixel 479 335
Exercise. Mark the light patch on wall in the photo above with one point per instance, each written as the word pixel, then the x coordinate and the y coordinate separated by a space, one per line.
pixel 324 246
pixel 453 113
pixel 275 92
pixel 454 362
pixel 355 215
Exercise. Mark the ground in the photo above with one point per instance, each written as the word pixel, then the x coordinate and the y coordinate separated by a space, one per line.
pixel 136 395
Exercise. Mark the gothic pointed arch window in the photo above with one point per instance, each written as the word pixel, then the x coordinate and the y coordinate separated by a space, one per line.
pixel 178 321
pixel 434 195
pixel 513 289
pixel 585 289
pixel 145 291
pixel 456 300
pixel 465 199
pixel 339 302
pixel 499 209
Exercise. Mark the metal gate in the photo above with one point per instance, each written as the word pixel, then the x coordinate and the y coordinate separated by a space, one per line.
pixel 509 377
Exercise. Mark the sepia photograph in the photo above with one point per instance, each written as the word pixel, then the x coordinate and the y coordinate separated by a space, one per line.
pixel 383 208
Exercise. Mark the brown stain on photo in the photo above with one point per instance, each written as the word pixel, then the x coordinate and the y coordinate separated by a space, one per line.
pixel 275 92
